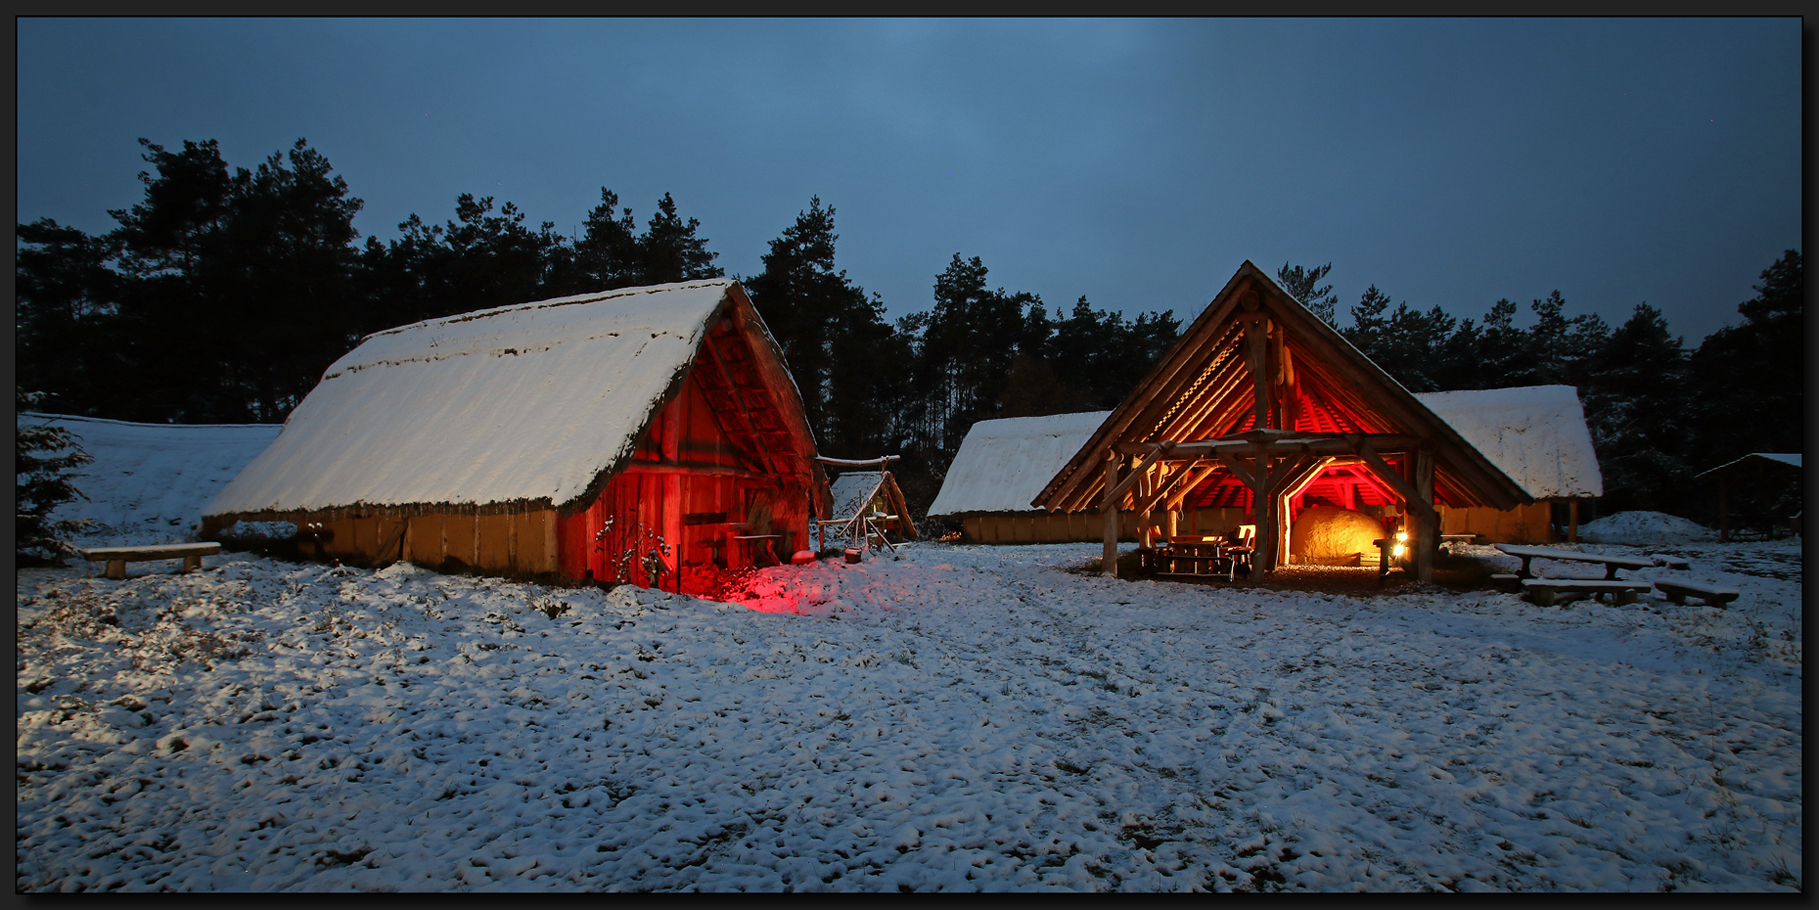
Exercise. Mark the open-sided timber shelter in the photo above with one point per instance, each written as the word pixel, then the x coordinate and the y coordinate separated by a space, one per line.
pixel 1761 488
pixel 868 496
pixel 647 435
pixel 1258 401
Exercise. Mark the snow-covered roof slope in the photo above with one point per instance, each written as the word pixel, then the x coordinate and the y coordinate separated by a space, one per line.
pixel 1003 464
pixel 850 491
pixel 1785 458
pixel 524 402
pixel 1535 434
pixel 149 482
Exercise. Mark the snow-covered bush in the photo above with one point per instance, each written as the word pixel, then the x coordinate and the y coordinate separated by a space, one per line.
pixel 45 456
pixel 1643 528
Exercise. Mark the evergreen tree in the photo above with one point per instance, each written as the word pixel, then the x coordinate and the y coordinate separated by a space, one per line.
pixel 834 338
pixel 965 346
pixel 670 250
pixel 236 287
pixel 1750 379
pixel 478 260
pixel 1304 285
pixel 1636 405
pixel 67 320
pixel 606 257
pixel 44 456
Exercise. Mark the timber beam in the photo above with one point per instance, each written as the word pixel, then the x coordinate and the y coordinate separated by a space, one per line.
pixel 1272 442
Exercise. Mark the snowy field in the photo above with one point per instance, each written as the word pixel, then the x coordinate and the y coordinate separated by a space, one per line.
pixel 965 718
pixel 961 718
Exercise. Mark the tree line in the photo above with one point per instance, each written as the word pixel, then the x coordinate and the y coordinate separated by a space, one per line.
pixel 224 294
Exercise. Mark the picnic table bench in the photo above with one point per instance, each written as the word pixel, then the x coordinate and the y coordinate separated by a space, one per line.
pixel 1448 540
pixel 1202 557
pixel 1546 591
pixel 1679 591
pixel 1610 562
pixel 117 557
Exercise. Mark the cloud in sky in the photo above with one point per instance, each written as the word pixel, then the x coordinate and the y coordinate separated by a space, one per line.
pixel 1136 162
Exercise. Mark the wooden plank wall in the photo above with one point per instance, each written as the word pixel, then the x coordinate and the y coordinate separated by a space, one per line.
pixel 1530 524
pixel 519 543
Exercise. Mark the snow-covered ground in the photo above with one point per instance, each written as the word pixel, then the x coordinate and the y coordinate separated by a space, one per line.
pixel 959 718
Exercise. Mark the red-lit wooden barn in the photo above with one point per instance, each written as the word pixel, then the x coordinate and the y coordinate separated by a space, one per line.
pixel 563 439
pixel 1261 404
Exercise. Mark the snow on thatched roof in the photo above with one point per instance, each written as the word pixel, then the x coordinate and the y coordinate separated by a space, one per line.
pixel 851 491
pixel 1003 464
pixel 1535 434
pixel 530 402
pixel 1791 459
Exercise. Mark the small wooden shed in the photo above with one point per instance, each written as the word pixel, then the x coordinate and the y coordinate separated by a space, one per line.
pixel 876 494
pixel 647 435
pixel 1257 401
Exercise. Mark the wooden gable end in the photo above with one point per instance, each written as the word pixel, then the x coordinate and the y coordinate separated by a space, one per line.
pixel 1257 401
pixel 1315 385
pixel 723 475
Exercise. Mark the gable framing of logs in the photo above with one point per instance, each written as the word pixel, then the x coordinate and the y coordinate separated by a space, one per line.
pixel 1262 391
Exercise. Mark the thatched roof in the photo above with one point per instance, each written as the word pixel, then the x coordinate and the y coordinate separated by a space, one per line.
pixel 535 403
pixel 1003 464
pixel 1536 434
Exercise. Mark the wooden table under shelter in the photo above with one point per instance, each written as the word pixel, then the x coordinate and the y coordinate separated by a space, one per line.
pixel 1611 562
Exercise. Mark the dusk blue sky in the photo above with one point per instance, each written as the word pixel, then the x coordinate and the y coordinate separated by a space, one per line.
pixel 1135 162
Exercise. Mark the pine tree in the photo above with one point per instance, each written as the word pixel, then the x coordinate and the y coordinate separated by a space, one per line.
pixel 1636 405
pixel 1750 379
pixel 67 319
pixel 670 250
pixel 1304 285
pixel 236 288
pixel 833 336
pixel 44 457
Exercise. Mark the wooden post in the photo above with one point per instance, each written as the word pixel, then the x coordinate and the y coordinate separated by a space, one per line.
pixel 1256 361
pixel 1145 537
pixel 1108 512
pixel 1424 516
pixel 1724 518
pixel 1572 518
pixel 1263 501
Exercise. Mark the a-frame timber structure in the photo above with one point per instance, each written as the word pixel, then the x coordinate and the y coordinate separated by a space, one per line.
pixel 1258 401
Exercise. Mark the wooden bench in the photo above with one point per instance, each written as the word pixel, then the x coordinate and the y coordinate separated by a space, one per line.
pixel 1546 591
pixel 117 557
pixel 1610 562
pixel 1679 591
pixel 1677 563
pixel 1447 541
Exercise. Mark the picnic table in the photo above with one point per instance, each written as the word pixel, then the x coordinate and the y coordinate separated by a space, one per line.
pixel 1611 562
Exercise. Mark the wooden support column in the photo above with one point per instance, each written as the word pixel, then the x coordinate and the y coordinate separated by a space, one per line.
pixel 670 511
pixel 1572 519
pixel 1724 517
pixel 1256 362
pixel 1263 515
pixel 1145 483
pixel 1426 518
pixel 1108 512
